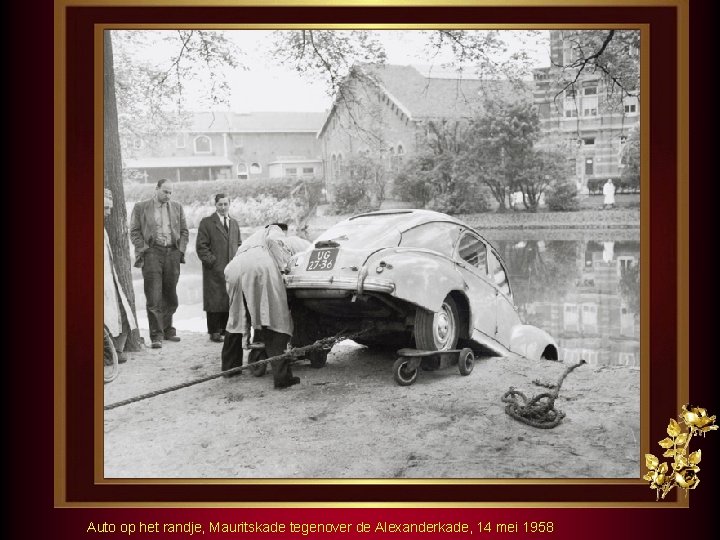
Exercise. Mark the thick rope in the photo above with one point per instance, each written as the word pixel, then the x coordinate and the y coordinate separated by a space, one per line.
pixel 540 411
pixel 292 354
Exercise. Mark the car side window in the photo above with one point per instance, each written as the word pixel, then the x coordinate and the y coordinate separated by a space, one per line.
pixel 473 251
pixel 438 236
pixel 498 274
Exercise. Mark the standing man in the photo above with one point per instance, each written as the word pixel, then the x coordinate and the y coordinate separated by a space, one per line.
pixel 160 235
pixel 217 241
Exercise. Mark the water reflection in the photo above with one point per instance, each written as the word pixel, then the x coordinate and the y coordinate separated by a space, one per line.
pixel 584 292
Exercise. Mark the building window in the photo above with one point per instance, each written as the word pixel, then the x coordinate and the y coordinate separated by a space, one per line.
pixel 291 171
pixel 623 140
pixel 340 165
pixel 590 105
pixel 333 166
pixel 203 145
pixel 589 141
pixel 630 105
pixel 255 168
pixel 589 162
pixel 180 141
pixel 590 91
pixel 242 171
pixel 308 170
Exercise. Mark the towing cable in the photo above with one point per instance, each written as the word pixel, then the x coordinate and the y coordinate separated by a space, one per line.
pixel 293 354
pixel 540 411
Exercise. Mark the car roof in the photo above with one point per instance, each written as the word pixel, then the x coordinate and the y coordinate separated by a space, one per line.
pixel 404 219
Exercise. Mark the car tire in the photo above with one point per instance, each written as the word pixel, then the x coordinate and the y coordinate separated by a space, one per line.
pixel 255 356
pixel 402 375
pixel 318 358
pixel 466 362
pixel 437 331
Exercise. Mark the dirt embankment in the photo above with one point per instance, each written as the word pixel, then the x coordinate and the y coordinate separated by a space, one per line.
pixel 350 420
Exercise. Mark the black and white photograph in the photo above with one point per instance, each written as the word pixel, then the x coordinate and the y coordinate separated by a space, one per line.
pixel 372 253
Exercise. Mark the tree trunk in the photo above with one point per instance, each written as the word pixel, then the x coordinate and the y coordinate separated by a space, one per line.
pixel 117 223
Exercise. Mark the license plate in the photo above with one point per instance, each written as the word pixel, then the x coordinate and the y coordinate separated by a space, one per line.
pixel 322 259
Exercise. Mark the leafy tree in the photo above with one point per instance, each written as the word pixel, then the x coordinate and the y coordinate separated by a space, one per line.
pixel 540 168
pixel 499 147
pixel 613 55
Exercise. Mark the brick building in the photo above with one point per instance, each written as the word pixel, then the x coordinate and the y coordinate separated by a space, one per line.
pixel 592 117
pixel 387 113
pixel 216 146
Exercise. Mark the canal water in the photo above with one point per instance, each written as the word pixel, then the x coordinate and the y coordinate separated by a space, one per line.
pixel 581 286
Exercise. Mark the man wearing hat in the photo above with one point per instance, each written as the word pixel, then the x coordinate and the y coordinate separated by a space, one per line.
pixel 118 316
pixel 160 235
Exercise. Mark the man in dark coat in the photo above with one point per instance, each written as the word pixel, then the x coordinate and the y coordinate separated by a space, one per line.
pixel 217 241
pixel 160 235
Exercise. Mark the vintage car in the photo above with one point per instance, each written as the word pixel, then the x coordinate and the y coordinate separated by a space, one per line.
pixel 410 278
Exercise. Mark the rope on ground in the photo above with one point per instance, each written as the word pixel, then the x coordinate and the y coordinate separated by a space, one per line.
pixel 292 354
pixel 539 411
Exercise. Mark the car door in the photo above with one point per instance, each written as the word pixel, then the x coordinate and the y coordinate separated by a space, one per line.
pixel 471 261
pixel 507 316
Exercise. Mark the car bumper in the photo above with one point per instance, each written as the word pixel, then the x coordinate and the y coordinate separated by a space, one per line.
pixel 340 283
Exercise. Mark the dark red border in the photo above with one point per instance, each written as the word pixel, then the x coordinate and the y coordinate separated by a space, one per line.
pixel 80 486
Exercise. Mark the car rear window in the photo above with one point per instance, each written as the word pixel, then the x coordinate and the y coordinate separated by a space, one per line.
pixel 362 232
pixel 439 236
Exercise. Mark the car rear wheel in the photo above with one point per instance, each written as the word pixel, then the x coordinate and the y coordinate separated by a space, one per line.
pixel 437 331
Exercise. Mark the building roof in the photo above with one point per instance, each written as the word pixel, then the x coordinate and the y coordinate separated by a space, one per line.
pixel 434 96
pixel 177 162
pixel 255 122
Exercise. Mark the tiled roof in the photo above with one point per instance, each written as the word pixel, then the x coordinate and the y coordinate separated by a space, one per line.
pixel 177 162
pixel 255 122
pixel 436 97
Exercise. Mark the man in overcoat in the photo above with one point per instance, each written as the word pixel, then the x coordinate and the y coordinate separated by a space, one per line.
pixel 217 242
pixel 160 235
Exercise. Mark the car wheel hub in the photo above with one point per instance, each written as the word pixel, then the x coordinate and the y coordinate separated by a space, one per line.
pixel 443 327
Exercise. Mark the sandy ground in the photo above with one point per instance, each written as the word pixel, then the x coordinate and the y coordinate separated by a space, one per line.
pixel 351 420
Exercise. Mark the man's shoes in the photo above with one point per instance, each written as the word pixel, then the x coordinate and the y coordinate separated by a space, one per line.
pixel 172 338
pixel 287 383
pixel 156 344
pixel 216 337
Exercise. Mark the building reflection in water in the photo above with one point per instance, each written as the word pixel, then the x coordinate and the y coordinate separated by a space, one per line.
pixel 584 293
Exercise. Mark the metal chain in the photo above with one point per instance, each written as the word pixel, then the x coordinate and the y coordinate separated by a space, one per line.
pixel 292 354
pixel 540 411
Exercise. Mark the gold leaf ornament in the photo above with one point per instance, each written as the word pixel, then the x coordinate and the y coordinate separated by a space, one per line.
pixel 684 462
pixel 694 458
pixel 667 442
pixel 674 428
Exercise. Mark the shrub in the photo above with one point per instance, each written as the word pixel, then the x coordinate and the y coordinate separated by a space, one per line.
pixel 351 197
pixel 187 193
pixel 435 182
pixel 595 185
pixel 562 197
